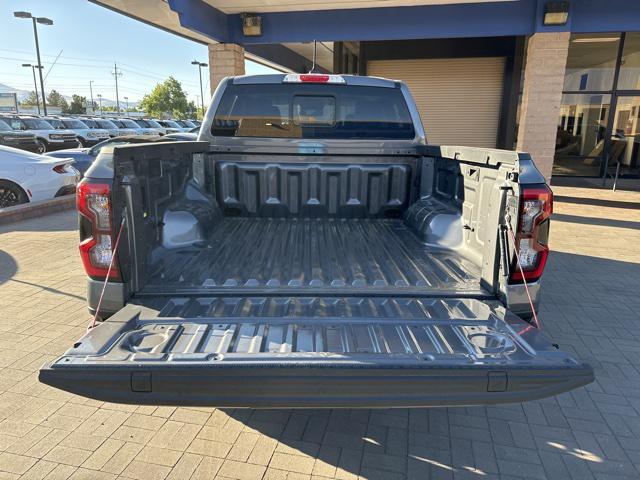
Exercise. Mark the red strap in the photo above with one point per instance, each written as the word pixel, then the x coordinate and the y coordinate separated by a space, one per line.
pixel 526 287
pixel 106 280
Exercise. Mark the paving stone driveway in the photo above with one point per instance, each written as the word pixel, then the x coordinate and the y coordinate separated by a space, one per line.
pixel 591 304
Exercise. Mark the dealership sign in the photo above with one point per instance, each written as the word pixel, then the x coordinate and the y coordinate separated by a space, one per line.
pixel 8 102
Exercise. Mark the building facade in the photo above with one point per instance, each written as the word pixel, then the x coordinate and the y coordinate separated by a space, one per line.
pixel 559 79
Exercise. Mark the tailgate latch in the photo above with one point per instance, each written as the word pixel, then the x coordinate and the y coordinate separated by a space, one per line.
pixel 497 381
pixel 140 381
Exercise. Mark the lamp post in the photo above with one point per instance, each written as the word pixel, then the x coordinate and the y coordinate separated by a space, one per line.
pixel 42 21
pixel 100 100
pixel 126 101
pixel 200 65
pixel 35 84
pixel 91 92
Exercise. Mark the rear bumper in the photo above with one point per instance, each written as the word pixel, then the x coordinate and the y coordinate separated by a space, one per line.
pixel 314 386
pixel 60 144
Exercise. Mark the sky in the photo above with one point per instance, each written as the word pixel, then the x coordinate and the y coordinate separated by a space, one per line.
pixel 91 38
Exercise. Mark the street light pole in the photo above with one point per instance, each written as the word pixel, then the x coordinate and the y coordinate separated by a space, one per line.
pixel 100 100
pixel 126 99
pixel 35 83
pixel 43 21
pixel 117 74
pixel 200 65
pixel 91 92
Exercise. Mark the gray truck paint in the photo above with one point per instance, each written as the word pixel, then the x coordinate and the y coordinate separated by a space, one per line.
pixel 241 292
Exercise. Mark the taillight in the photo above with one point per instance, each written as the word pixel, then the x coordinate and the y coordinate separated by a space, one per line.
pixel 96 249
pixel 536 206
pixel 313 78
pixel 60 168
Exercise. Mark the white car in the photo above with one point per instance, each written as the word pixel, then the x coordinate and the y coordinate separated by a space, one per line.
pixel 30 177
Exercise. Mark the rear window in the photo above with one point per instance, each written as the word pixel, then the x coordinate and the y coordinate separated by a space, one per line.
pixel 312 111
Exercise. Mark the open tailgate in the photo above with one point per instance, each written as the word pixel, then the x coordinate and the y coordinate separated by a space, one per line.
pixel 315 352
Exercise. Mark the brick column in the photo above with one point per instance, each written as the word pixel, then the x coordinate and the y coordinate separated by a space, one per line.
pixel 225 60
pixel 546 59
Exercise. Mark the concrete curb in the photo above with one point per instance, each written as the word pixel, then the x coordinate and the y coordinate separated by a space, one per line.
pixel 36 209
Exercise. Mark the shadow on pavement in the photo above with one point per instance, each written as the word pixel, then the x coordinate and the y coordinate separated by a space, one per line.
pixel 602 222
pixel 8 266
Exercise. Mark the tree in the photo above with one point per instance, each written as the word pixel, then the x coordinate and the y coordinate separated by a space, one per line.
pixel 55 99
pixel 167 98
pixel 31 99
pixel 77 105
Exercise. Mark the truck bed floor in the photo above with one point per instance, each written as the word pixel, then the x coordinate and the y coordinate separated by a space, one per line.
pixel 284 254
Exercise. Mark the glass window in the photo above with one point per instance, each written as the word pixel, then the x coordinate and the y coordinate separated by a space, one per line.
pixel 74 124
pixel 318 110
pixel 313 111
pixel 582 129
pixel 4 127
pixel 629 78
pixel 591 62
pixel 624 153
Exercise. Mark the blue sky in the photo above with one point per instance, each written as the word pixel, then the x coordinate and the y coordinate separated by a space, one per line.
pixel 91 38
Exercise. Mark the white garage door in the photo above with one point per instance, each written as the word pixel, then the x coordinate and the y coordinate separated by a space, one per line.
pixel 458 98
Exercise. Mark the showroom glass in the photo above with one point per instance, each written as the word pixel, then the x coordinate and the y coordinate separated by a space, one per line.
pixel 591 62
pixel 313 111
pixel 581 135
pixel 625 138
pixel 629 78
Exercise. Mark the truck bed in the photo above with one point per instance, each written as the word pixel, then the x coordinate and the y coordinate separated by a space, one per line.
pixel 284 254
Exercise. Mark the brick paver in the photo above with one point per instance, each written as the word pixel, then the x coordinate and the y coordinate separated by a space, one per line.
pixel 590 306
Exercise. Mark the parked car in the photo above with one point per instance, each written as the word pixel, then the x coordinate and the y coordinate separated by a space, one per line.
pixel 311 250
pixel 30 177
pixel 170 126
pixel 84 157
pixel 186 124
pixel 125 127
pixel 109 126
pixel 48 137
pixel 149 127
pixel 16 139
pixel 86 135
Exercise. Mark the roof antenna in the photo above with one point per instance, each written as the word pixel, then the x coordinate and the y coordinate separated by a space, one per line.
pixel 314 65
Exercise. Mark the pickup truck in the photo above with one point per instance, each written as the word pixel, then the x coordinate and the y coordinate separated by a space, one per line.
pixel 311 249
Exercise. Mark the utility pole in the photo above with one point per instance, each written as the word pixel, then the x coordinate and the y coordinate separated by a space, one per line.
pixel 35 83
pixel 126 99
pixel 200 65
pixel 43 21
pixel 100 100
pixel 91 91
pixel 116 74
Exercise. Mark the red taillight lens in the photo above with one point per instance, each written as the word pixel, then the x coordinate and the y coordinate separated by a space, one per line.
pixel 536 206
pixel 60 168
pixel 94 203
pixel 314 78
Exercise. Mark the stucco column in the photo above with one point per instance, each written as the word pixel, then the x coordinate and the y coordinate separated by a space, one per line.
pixel 546 60
pixel 225 59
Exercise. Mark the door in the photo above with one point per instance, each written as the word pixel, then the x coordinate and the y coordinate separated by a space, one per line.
pixel 458 99
pixel 624 148
pixel 314 352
